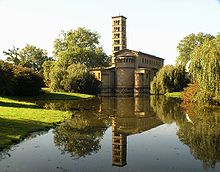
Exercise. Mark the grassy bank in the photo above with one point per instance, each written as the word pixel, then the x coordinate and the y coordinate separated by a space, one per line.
pixel 174 94
pixel 19 118
pixel 47 94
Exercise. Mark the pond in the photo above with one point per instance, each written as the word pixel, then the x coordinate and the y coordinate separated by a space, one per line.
pixel 122 134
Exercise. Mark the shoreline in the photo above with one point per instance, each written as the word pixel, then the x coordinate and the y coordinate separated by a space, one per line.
pixel 19 117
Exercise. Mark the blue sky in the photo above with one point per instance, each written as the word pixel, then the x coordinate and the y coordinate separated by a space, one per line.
pixel 153 26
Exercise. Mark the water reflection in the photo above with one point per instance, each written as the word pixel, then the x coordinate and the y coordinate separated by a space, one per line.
pixel 133 115
pixel 72 105
pixel 133 134
pixel 198 128
pixel 82 134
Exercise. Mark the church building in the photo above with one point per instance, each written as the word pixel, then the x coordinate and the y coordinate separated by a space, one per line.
pixel 131 71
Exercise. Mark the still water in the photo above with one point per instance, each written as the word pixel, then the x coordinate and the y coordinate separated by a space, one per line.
pixel 122 134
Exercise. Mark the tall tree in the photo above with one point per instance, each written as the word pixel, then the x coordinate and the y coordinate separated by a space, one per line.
pixel 79 46
pixel 188 44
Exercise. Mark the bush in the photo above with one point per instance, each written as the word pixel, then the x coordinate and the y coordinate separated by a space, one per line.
pixel 190 92
pixel 7 80
pixel 76 78
pixel 85 83
pixel 18 81
pixel 28 83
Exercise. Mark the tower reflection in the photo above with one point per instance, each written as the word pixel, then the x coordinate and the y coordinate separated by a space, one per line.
pixel 132 115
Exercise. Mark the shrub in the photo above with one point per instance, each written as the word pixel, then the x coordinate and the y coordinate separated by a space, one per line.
pixel 7 80
pixel 76 78
pixel 28 83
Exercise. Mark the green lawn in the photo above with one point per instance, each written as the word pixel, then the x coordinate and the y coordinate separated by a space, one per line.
pixel 19 118
pixel 174 94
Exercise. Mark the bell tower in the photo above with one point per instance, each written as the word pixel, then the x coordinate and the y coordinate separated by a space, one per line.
pixel 119 40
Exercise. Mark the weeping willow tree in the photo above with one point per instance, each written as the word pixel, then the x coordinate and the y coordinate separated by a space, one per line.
pixel 188 44
pixel 169 79
pixel 204 70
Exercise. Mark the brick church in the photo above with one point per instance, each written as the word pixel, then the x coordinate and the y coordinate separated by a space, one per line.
pixel 131 71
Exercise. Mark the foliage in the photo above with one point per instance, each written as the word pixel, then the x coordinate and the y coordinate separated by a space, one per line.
pixel 79 46
pixel 80 80
pixel 47 67
pixel 7 80
pixel 30 56
pixel 28 83
pixel 188 44
pixel 56 75
pixel 18 119
pixel 17 80
pixel 189 92
pixel 76 78
pixel 76 51
pixel 205 70
pixel 169 79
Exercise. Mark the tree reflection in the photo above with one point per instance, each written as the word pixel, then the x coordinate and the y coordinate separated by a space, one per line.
pixel 199 128
pixel 168 110
pixel 81 135
pixel 202 135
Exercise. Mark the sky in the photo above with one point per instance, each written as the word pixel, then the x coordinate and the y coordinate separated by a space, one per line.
pixel 153 26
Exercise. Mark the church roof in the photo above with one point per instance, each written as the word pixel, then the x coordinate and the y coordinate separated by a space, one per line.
pixel 119 16
pixel 133 53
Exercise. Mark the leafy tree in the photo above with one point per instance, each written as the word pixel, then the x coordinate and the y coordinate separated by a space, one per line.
pixel 169 79
pixel 30 56
pixel 188 44
pixel 79 46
